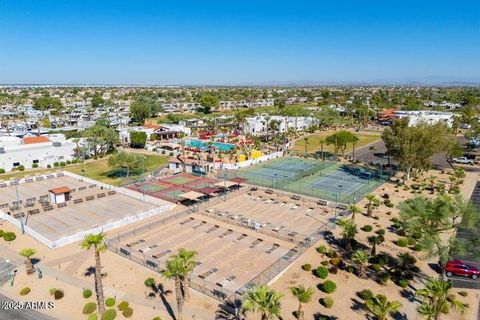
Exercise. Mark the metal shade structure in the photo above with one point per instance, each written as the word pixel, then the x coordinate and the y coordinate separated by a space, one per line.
pixel 191 195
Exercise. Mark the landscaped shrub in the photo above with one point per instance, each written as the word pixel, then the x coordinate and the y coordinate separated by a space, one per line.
pixel 48 166
pixel 2 170
pixel 367 228
pixel 333 270
pixel 350 269
pixel 365 294
pixel 89 308
pixel 402 242
pixel 52 291
pixel 25 291
pixel 21 168
pixel 324 263
pixel 9 236
pixel 328 286
pixel 327 302
pixel 92 316
pixel 321 249
pixel 34 165
pixel 417 247
pixel 335 262
pixel 110 302
pixel 87 293
pixel 68 162
pixel 109 314
pixel 58 294
pixel 383 278
pixel 62 164
pixel 149 282
pixel 123 305
pixel 127 313
pixel 321 272
pixel 332 254
pixel 403 283
pixel 157 318
pixel 411 241
pixel 380 232
pixel 307 267
pixel 376 267
pixel 56 164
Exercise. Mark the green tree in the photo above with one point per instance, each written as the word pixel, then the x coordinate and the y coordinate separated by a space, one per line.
pixel 361 257
pixel 27 253
pixel 124 160
pixel 303 295
pixel 305 141
pixel 97 101
pixel 101 139
pixel 175 269
pixel 143 107
pixel 373 202
pixel 340 140
pixel 208 102
pixel 438 220
pixel 413 146
pixel 348 233
pixel 353 209
pixel 437 299
pixel 138 139
pixel 264 301
pixel 188 259
pixel 380 307
pixel 97 242
pixel 374 241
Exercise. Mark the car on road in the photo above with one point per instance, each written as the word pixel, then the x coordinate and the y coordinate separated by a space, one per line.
pixel 463 160
pixel 459 268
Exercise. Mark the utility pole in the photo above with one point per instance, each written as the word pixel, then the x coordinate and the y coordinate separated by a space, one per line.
pixel 22 226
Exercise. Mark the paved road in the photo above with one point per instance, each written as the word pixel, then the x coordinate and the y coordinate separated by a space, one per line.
pixel 21 314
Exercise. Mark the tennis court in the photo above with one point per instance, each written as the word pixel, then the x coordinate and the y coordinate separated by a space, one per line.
pixel 320 179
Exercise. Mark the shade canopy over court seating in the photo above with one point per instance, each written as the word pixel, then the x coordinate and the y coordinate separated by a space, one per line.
pixel 209 190
pixel 223 184
pixel 191 195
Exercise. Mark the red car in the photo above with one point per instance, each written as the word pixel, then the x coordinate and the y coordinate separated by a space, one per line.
pixel 459 268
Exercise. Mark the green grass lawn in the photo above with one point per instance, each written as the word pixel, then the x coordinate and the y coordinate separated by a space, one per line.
pixel 314 142
pixel 99 169
pixel 96 169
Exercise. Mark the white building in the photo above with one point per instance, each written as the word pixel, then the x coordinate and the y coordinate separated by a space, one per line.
pixel 258 124
pixel 430 117
pixel 42 151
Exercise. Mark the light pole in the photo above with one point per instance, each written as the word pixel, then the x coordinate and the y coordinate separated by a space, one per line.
pixel 225 185
pixel 22 226
pixel 335 212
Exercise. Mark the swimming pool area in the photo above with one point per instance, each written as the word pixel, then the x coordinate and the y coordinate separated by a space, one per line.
pixel 224 147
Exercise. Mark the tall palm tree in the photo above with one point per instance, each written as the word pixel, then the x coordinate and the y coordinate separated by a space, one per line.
pixel 188 259
pixel 303 296
pixel 175 269
pixel 380 307
pixel 97 241
pixel 264 301
pixel 437 299
pixel 306 145
pixel 374 241
pixel 360 257
pixel 27 253
pixel 349 231
pixel 322 143
pixel 353 209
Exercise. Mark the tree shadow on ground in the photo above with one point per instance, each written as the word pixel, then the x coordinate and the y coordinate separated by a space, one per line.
pixel 158 289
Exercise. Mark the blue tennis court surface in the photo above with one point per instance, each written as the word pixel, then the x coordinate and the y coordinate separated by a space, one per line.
pixel 316 178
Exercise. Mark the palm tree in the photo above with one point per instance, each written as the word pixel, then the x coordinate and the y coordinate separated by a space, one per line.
pixel 374 241
pixel 361 258
pixel 349 230
pixel 27 253
pixel 175 269
pixel 97 241
pixel 303 296
pixel 306 145
pixel 353 209
pixel 373 202
pixel 322 143
pixel 264 301
pixel 437 299
pixel 231 310
pixel 380 307
pixel 188 258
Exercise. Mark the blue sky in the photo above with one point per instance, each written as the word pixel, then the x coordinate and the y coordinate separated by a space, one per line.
pixel 237 42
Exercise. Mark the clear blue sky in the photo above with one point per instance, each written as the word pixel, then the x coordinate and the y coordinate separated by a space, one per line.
pixel 232 42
